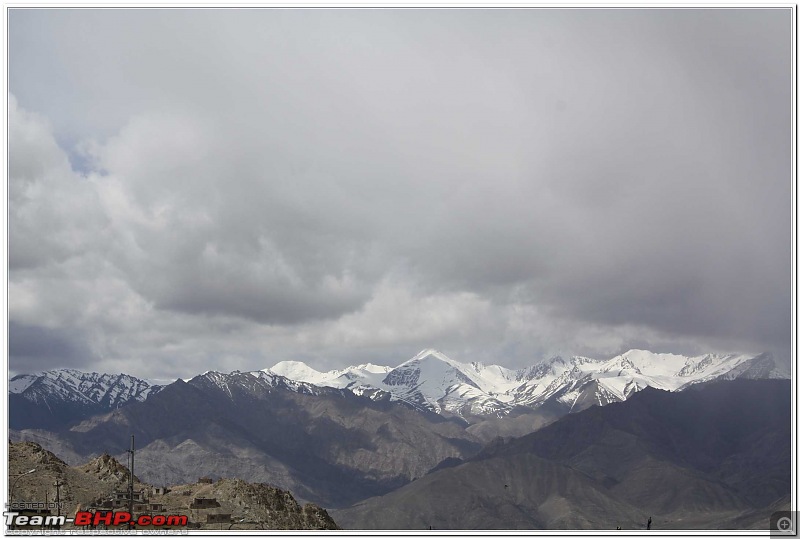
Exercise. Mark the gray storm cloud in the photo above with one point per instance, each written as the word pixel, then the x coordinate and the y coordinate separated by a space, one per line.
pixel 227 188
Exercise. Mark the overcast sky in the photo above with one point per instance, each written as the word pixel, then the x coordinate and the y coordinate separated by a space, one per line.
pixel 225 189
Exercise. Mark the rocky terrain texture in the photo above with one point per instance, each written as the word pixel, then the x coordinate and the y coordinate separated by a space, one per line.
pixel 327 446
pixel 251 506
pixel 716 456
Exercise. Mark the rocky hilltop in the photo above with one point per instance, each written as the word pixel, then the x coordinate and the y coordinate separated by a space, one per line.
pixel 231 504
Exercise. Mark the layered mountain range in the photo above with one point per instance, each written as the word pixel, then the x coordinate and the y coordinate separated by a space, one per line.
pixel 429 381
pixel 337 438
pixel 325 445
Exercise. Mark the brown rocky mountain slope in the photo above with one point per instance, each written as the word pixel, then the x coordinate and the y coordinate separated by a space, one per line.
pixel 236 504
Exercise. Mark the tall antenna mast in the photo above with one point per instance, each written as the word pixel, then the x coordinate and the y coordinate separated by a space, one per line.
pixel 130 480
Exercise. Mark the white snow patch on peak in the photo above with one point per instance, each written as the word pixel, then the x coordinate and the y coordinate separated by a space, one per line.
pixel 375 369
pixel 430 353
pixel 296 370
pixel 21 382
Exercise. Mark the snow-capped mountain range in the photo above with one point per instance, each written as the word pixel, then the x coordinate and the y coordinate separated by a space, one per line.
pixel 107 390
pixel 434 382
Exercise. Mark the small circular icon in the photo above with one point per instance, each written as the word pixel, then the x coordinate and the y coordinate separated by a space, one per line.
pixel 784 524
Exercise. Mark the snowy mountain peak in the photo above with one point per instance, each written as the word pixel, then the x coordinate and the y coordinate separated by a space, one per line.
pixel 431 367
pixel 369 367
pixel 431 354
pixel 296 370
pixel 366 374
pixel 87 388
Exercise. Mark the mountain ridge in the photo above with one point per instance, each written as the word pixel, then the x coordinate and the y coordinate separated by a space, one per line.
pixel 58 398
pixel 440 384
pixel 429 381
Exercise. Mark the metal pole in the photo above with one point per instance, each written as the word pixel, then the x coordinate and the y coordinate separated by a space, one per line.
pixel 58 497
pixel 130 481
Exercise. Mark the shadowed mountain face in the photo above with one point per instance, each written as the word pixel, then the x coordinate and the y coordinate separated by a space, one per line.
pixel 735 432
pixel 717 455
pixel 329 446
pixel 518 492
